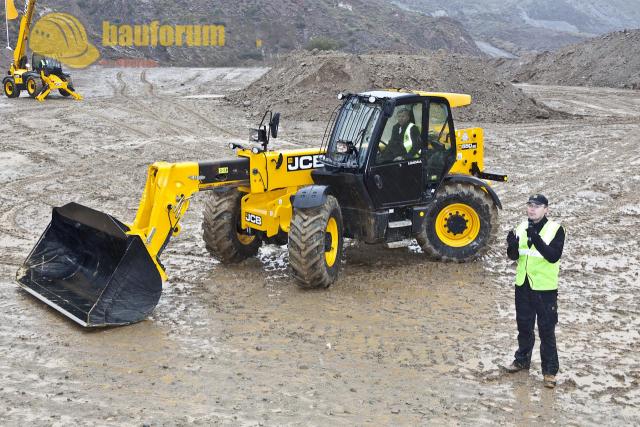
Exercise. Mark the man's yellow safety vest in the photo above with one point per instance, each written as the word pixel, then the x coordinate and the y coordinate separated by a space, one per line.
pixel 408 144
pixel 543 275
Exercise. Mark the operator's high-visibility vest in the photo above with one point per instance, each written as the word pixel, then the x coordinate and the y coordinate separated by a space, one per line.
pixel 408 145
pixel 543 275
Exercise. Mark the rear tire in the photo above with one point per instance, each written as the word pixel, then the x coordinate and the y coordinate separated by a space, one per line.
pixel 461 224
pixel 34 86
pixel 10 88
pixel 315 244
pixel 221 228
pixel 64 92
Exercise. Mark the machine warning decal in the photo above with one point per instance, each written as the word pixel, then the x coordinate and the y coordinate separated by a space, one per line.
pixel 253 219
pixel 223 170
pixel 469 146
pixel 296 163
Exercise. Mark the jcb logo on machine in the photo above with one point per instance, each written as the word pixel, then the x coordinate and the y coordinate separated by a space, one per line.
pixel 253 219
pixel 469 146
pixel 297 163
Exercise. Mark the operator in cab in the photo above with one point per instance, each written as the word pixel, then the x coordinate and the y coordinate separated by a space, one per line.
pixel 405 142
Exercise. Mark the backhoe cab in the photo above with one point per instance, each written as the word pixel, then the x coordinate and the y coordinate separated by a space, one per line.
pixel 391 168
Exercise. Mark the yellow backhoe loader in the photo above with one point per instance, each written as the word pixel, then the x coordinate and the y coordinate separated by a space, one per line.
pixel 43 76
pixel 366 181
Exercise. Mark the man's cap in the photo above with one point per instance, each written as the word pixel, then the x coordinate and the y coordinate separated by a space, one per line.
pixel 538 199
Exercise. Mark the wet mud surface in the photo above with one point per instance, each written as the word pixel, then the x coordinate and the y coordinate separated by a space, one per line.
pixel 398 340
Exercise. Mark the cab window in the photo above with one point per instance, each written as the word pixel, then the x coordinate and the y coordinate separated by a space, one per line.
pixel 401 138
pixel 440 151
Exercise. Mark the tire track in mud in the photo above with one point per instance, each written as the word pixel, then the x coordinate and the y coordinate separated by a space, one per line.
pixel 120 124
pixel 121 93
pixel 176 102
pixel 143 110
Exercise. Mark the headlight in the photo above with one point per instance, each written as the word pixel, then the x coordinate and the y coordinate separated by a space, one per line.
pixel 340 96
pixel 342 147
pixel 372 99
pixel 255 150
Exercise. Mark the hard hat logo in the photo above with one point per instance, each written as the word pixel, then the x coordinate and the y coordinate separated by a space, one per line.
pixel 63 37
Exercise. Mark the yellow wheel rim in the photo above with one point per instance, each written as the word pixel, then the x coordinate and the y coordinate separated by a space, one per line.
pixel 457 225
pixel 245 239
pixel 331 242
pixel 8 88
pixel 31 86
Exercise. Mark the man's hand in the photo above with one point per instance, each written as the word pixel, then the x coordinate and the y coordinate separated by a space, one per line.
pixel 512 239
pixel 531 232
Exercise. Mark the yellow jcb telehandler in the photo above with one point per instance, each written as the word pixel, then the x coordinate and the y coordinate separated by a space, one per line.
pixel 367 181
pixel 45 73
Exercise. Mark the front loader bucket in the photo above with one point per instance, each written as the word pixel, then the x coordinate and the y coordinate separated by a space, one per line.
pixel 88 268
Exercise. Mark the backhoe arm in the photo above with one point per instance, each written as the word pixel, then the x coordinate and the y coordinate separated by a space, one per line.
pixel 25 28
pixel 167 195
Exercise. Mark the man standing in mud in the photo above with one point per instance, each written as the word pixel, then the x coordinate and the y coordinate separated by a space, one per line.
pixel 537 246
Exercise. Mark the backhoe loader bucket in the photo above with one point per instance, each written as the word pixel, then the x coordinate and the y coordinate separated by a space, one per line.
pixel 88 268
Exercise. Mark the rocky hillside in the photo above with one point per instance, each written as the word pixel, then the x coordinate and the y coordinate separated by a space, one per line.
pixel 304 85
pixel 518 26
pixel 282 26
pixel 612 60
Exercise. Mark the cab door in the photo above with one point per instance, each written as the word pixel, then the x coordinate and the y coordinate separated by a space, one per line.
pixel 440 144
pixel 395 175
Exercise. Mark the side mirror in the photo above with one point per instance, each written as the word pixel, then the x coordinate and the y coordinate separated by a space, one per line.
pixel 273 125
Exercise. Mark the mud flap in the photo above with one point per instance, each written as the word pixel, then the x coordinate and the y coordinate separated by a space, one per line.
pixel 88 268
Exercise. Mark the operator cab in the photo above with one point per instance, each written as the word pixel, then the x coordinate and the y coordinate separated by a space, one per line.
pixel 400 144
pixel 47 64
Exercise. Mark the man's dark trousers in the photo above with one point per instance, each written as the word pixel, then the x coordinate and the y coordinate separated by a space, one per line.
pixel 543 305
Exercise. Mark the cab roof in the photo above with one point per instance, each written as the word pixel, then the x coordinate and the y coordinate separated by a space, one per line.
pixel 455 99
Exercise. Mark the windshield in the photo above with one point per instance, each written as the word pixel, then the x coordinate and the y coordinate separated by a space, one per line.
pixel 352 132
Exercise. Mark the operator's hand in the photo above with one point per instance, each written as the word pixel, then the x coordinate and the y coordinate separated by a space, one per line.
pixel 512 239
pixel 531 232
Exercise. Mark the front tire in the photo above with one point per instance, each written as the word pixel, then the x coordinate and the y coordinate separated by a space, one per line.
pixel 34 86
pixel 315 244
pixel 460 225
pixel 224 238
pixel 64 92
pixel 10 88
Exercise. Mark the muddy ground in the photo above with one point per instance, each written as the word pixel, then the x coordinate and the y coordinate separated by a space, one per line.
pixel 398 340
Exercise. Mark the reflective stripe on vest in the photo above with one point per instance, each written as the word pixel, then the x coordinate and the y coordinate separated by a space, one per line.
pixel 408 145
pixel 543 275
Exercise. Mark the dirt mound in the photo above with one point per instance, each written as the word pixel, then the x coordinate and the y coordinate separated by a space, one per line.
pixel 305 85
pixel 612 60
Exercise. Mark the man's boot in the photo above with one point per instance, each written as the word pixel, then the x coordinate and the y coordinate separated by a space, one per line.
pixel 549 381
pixel 515 367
